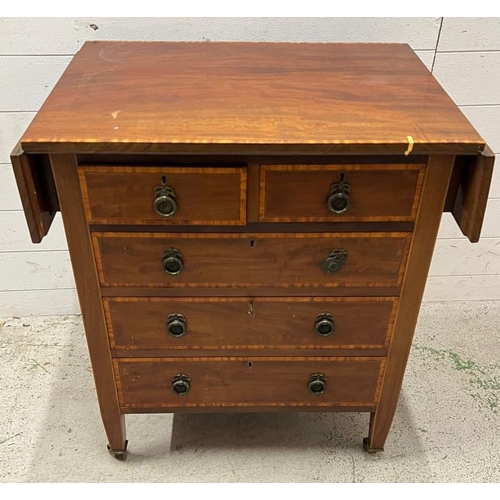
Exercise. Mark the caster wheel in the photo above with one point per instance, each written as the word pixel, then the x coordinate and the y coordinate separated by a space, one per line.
pixel 119 454
pixel 369 450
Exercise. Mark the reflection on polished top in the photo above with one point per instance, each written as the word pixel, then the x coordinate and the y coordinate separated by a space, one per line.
pixel 206 96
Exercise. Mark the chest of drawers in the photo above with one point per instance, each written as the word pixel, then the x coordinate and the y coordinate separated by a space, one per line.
pixel 250 225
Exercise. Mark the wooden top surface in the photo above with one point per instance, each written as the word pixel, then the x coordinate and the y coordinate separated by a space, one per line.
pixel 216 97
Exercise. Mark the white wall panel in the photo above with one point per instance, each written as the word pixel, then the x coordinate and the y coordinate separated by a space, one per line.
pixel 486 119
pixel 12 127
pixel 46 36
pixel 470 33
pixel 470 77
pixel 16 238
pixel 426 56
pixel 9 195
pixel 495 182
pixel 27 81
pixel 37 279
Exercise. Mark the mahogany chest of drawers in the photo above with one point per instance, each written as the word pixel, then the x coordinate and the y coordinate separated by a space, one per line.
pixel 250 224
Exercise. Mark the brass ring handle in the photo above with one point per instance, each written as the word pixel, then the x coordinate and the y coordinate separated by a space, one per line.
pixel 173 261
pixel 317 383
pixel 339 197
pixel 335 261
pixel 181 384
pixel 176 325
pixel 164 201
pixel 324 324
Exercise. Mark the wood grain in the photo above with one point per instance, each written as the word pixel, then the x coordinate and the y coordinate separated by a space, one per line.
pixel 226 159
pixel 251 324
pixel 299 193
pixel 204 195
pixel 253 192
pixel 254 381
pixel 189 353
pixel 433 198
pixel 268 227
pixel 245 409
pixel 236 97
pixel 80 247
pixel 309 290
pixel 251 260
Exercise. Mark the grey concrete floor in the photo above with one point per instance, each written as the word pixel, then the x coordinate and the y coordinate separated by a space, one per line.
pixel 447 426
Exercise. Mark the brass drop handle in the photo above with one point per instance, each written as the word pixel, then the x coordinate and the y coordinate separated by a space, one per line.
pixel 335 261
pixel 173 261
pixel 339 197
pixel 164 201
pixel 176 325
pixel 324 324
pixel 181 384
pixel 317 383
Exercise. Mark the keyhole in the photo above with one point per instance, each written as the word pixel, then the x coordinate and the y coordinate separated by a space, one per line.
pixel 251 310
pixel 342 177
pixel 164 179
pixel 250 365
pixel 252 243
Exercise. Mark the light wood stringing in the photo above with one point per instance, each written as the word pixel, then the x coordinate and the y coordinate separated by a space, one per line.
pixel 328 302
pixel 324 405
pixel 334 283
pixel 322 196
pixel 160 171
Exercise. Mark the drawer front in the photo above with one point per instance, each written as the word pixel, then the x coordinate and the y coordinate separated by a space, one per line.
pixel 129 195
pixel 241 323
pixel 152 382
pixel 246 260
pixel 314 193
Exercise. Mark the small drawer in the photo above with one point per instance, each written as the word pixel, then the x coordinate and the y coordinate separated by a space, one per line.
pixel 253 324
pixel 164 195
pixel 241 260
pixel 250 382
pixel 326 193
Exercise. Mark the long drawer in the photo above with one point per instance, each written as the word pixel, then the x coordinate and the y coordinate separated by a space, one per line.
pixel 255 323
pixel 212 382
pixel 251 260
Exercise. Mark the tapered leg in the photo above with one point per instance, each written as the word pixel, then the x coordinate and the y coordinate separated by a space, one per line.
pixel 64 167
pixel 424 237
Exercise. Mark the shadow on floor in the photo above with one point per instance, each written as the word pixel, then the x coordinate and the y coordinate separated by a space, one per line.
pixel 70 444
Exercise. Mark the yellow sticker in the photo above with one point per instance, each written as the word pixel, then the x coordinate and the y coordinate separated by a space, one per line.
pixel 411 142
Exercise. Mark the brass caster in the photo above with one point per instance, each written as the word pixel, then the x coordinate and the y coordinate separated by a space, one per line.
pixel 369 450
pixel 119 454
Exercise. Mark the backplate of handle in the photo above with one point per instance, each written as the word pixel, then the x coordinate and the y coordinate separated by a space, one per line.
pixel 317 383
pixel 339 197
pixel 173 261
pixel 164 203
pixel 335 261
pixel 176 325
pixel 324 324
pixel 181 384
